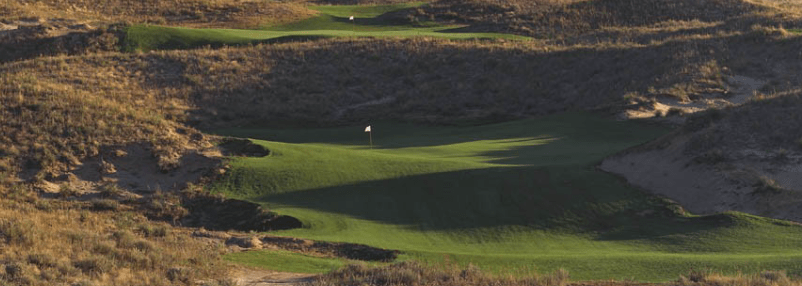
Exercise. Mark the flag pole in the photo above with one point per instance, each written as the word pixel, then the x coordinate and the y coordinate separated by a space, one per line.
pixel 353 25
pixel 370 134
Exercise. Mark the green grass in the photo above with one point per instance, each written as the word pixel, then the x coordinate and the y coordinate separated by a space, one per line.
pixel 363 11
pixel 332 22
pixel 286 261
pixel 512 197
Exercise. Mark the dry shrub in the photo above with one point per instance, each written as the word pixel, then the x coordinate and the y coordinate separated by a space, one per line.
pixel 154 230
pixel 94 266
pixel 19 232
pixel 104 204
pixel 764 278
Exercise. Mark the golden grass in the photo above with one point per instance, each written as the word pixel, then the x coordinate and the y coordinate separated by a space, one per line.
pixel 60 110
pixel 49 242
pixel 193 13
pixel 571 22
pixel 413 273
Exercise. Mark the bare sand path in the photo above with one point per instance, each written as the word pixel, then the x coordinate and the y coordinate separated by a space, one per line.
pixel 261 277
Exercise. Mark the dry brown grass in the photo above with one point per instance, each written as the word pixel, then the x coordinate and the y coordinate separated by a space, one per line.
pixel 53 120
pixel 772 125
pixel 615 21
pixel 194 13
pixel 50 242
pixel 764 278
pixel 63 109
pixel 413 273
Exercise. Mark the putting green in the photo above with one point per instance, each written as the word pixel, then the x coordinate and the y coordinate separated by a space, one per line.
pixel 333 21
pixel 512 197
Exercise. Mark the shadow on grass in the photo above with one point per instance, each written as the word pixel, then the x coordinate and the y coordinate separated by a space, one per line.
pixel 584 132
pixel 559 199
pixel 178 43
pixel 545 186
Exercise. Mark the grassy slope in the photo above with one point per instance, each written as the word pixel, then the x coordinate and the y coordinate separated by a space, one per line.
pixel 332 22
pixel 512 196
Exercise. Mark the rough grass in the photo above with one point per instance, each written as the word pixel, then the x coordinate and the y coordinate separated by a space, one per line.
pixel 195 13
pixel 53 123
pixel 589 21
pixel 771 124
pixel 412 273
pixel 505 197
pixel 51 242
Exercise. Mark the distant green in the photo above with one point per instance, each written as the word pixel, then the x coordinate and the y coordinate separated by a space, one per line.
pixel 363 11
pixel 510 198
pixel 333 21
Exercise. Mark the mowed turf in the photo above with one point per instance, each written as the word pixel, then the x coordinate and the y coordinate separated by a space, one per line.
pixel 513 198
pixel 333 21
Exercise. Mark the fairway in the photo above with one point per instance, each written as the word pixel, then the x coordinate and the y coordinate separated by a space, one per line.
pixel 513 198
pixel 333 21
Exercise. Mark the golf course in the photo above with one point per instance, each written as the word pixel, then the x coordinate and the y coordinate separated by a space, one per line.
pixel 333 21
pixel 401 142
pixel 516 197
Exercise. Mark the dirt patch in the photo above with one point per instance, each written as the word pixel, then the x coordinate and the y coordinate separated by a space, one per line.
pixel 261 277
pixel 707 189
pixel 229 214
pixel 135 168
pixel 737 91
pixel 670 173
pixel 331 249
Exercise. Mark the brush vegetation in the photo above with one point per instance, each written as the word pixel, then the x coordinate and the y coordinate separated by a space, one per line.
pixel 53 242
pixel 194 13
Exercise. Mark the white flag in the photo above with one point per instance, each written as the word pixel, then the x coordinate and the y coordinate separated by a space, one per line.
pixel 351 19
pixel 367 129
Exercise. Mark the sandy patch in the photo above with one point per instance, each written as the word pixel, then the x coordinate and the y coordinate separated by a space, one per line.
pixel 704 188
pixel 261 277
pixel 739 90
pixel 670 174
pixel 133 171
pixel 135 168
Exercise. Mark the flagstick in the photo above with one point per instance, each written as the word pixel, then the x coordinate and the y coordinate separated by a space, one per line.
pixel 353 25
pixel 371 139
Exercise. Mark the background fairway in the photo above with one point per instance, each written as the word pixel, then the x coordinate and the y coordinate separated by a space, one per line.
pixel 332 22
pixel 511 197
